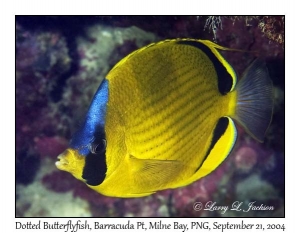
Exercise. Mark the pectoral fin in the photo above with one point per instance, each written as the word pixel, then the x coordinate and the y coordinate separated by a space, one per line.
pixel 151 174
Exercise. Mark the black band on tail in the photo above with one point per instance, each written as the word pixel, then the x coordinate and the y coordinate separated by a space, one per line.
pixel 218 132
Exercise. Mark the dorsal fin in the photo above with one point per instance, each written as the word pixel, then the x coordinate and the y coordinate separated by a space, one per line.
pixel 225 73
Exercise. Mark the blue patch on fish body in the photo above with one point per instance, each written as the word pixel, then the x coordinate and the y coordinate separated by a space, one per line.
pixel 94 121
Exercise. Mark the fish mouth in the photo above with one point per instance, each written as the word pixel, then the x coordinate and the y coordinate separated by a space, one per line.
pixel 62 160
pixel 71 161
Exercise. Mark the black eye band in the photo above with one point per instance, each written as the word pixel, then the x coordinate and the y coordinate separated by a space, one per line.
pixel 95 168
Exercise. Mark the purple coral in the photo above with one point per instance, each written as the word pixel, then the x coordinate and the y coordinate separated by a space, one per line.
pixel 50 146
pixel 245 158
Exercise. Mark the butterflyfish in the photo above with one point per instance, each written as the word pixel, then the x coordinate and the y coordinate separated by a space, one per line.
pixel 165 116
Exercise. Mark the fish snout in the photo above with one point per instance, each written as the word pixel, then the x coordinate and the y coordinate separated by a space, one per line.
pixel 71 161
pixel 63 162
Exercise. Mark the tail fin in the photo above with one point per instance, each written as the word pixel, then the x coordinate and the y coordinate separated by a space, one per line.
pixel 255 100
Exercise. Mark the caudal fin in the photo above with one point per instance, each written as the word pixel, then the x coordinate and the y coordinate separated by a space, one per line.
pixel 255 100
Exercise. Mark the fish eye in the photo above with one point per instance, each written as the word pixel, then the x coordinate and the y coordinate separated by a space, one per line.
pixel 98 148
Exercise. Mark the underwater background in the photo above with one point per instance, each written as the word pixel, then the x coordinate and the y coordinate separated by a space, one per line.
pixel 60 62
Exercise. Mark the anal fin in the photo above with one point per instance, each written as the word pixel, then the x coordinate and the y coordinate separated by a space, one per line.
pixel 224 139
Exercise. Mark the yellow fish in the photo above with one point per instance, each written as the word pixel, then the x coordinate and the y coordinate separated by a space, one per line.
pixel 163 118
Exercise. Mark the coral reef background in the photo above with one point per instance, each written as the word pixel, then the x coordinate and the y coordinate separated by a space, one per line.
pixel 60 62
